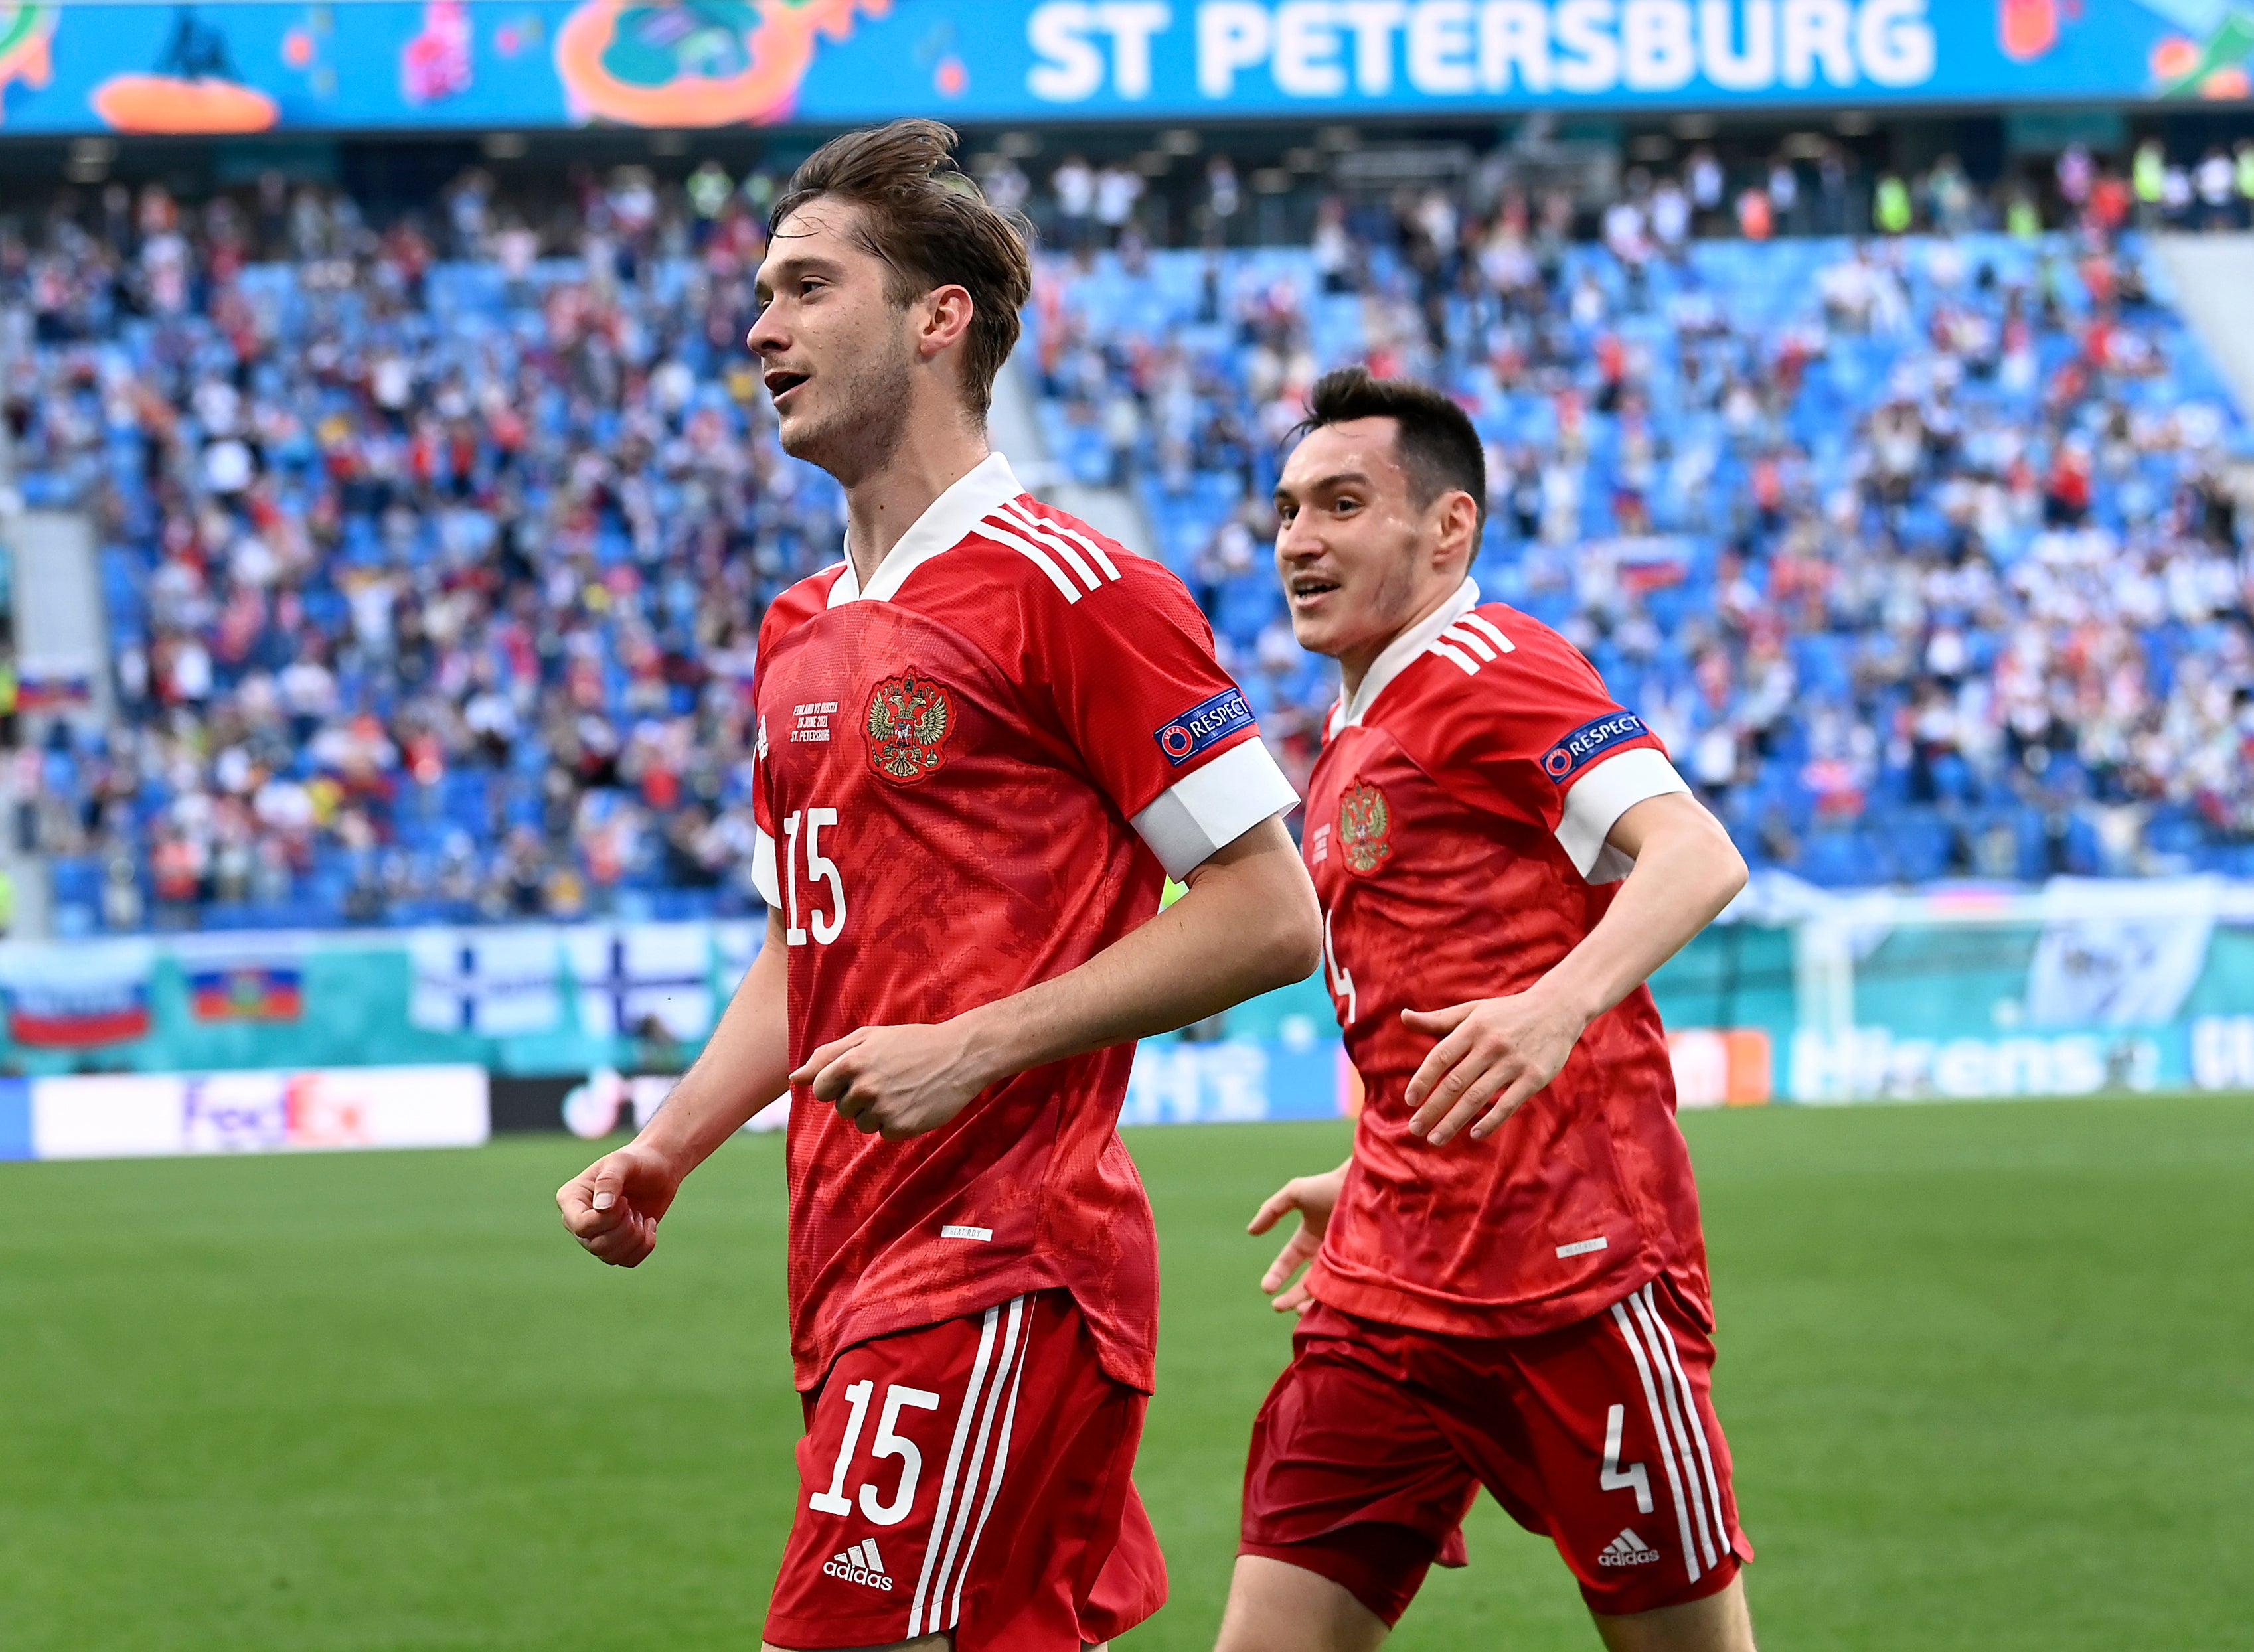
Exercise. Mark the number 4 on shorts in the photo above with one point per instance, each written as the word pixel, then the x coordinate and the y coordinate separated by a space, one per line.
pixel 1615 1478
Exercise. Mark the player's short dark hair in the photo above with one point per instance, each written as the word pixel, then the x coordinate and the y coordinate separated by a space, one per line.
pixel 1438 449
pixel 933 227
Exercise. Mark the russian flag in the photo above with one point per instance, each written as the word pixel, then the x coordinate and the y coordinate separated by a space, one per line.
pixel 72 1018
pixel 1652 562
pixel 54 693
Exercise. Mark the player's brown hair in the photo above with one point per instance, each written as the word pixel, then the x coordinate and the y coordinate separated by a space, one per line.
pixel 933 227
pixel 1438 447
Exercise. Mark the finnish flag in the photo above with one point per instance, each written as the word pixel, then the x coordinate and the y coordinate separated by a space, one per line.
pixel 497 982
pixel 627 973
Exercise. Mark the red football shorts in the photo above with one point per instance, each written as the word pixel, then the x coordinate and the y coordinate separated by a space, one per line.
pixel 1600 1436
pixel 970 1476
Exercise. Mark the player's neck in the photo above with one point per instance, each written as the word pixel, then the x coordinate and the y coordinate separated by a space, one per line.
pixel 1355 664
pixel 882 506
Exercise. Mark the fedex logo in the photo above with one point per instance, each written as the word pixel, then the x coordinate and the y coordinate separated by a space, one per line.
pixel 267 1111
pixel 1203 726
pixel 236 1113
pixel 1589 742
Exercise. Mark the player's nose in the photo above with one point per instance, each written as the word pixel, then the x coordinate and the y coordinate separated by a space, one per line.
pixel 766 334
pixel 1296 541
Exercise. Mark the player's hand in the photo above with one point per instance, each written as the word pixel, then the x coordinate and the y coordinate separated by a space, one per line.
pixel 1493 1053
pixel 613 1205
pixel 1314 1198
pixel 897 1082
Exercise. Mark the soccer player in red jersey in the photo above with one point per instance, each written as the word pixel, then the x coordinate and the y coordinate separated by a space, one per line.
pixel 1508 1282
pixel 985 738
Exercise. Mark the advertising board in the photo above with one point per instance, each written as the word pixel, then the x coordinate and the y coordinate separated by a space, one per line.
pixel 157 1115
pixel 1799 995
pixel 481 65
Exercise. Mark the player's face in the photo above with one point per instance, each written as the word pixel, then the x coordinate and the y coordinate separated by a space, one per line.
pixel 1356 552
pixel 838 353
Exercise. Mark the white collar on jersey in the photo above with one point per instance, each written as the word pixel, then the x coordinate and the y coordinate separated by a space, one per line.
pixel 974 495
pixel 1399 653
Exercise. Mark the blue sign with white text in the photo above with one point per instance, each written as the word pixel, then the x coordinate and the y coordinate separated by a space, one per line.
pixel 481 65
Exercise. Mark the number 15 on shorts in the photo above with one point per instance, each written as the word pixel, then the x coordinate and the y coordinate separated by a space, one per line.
pixel 886 1443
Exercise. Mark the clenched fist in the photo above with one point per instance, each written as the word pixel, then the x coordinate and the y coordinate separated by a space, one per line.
pixel 613 1205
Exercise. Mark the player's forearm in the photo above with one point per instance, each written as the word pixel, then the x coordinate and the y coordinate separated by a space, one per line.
pixel 745 1066
pixel 1248 924
pixel 1686 871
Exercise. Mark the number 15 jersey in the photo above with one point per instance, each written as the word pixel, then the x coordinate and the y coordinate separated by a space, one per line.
pixel 973 776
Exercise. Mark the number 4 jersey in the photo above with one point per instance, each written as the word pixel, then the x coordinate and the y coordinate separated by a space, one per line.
pixel 973 775
pixel 1456 830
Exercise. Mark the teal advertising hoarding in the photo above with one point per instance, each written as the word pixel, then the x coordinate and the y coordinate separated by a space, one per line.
pixel 248 66
pixel 1966 991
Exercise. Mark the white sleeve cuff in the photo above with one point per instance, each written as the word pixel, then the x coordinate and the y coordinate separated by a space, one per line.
pixel 764 878
pixel 1596 802
pixel 1209 809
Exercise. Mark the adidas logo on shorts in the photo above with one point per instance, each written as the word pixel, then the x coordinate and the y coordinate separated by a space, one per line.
pixel 1627 1550
pixel 861 1564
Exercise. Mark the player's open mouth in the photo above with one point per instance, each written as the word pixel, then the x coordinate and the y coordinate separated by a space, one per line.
pixel 780 383
pixel 1310 588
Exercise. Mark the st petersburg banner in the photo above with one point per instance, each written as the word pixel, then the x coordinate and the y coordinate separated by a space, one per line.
pixel 248 66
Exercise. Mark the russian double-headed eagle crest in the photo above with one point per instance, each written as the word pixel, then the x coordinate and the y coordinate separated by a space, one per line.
pixel 909 720
pixel 1363 825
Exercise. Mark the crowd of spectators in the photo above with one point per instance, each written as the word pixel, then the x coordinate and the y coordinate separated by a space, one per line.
pixel 1813 186
pixel 1925 554
pixel 433 567
pixel 434 552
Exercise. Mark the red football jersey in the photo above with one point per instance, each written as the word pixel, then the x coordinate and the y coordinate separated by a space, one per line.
pixel 972 777
pixel 1456 827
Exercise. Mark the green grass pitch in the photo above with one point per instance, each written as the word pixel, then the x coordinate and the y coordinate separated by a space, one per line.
pixel 1989 1372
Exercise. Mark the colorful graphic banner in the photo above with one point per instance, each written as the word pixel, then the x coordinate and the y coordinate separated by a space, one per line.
pixel 248 993
pixel 247 977
pixel 249 65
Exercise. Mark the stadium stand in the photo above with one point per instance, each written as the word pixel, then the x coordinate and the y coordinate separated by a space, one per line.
pixel 1922 554
pixel 432 584
pixel 433 572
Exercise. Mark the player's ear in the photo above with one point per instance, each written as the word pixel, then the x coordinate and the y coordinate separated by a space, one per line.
pixel 1458 526
pixel 947 315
